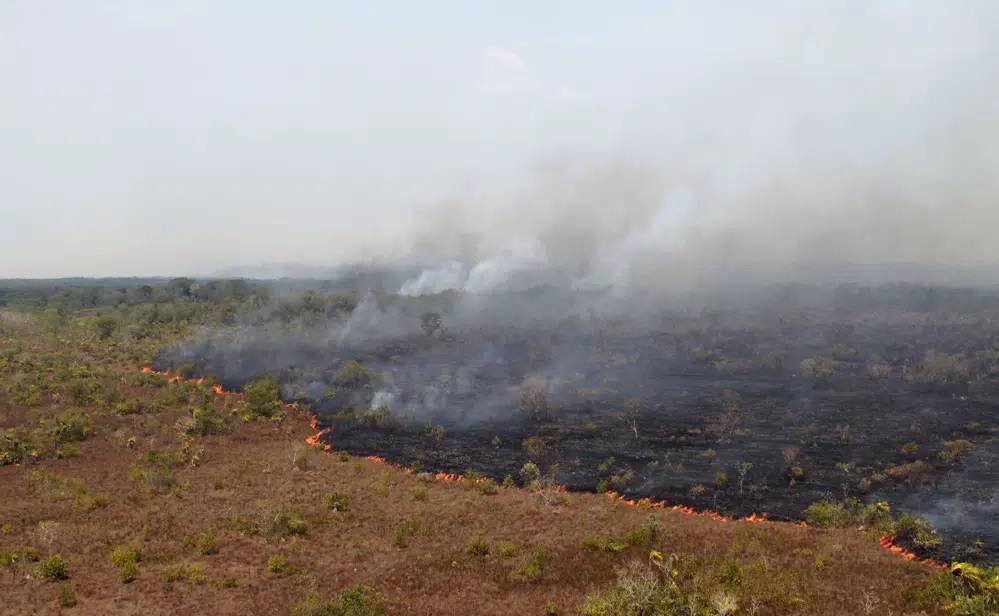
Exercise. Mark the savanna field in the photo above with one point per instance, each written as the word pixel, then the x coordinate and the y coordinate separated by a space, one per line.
pixel 171 491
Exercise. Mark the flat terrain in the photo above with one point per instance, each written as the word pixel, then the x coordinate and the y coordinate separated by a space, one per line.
pixel 168 497
pixel 882 394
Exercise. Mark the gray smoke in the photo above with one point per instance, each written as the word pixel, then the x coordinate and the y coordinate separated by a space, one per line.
pixel 841 137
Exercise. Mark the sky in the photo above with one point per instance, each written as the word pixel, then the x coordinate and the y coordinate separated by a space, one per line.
pixel 184 137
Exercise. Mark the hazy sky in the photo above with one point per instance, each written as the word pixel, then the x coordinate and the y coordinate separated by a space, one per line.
pixel 149 137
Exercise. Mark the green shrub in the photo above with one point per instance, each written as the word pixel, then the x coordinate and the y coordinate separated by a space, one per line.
pixel 196 574
pixel 18 445
pixel 72 427
pixel 53 568
pixel 355 601
pixel 419 493
pixel 607 545
pixel 303 457
pixel 551 608
pixel 85 391
pixel 728 572
pixel 337 501
pixel 128 571
pixel 918 530
pixel 488 487
pixel 286 523
pixel 208 545
pixel 477 545
pixel 129 406
pixel 90 502
pixel 126 560
pixel 508 550
pixel 66 597
pixel 642 589
pixel 206 419
pixel 263 398
pixel 276 564
pixel 531 568
pixel 399 537
pixel 646 534
pixel 826 514
pixel 243 526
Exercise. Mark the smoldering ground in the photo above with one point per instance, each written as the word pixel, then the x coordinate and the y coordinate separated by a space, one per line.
pixel 759 398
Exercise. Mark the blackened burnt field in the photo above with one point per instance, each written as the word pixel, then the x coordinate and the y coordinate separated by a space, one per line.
pixel 766 403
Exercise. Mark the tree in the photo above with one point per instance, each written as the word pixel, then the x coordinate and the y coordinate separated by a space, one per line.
pixel 434 434
pixel 106 326
pixel 744 468
pixel 431 322
pixel 263 397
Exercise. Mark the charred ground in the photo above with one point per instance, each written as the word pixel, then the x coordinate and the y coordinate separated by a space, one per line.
pixel 762 399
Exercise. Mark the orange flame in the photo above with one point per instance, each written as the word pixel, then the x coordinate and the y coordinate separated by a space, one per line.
pixel 886 542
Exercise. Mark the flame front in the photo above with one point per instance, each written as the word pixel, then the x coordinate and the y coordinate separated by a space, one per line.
pixel 316 439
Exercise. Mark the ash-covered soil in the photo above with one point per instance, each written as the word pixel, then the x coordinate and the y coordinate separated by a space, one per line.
pixel 886 393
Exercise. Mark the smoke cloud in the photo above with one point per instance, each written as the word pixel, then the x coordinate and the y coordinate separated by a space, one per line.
pixel 710 136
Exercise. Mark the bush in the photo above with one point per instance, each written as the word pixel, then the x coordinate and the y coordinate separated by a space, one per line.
pixel 913 472
pixel 508 550
pixel 646 534
pixel 276 564
pixel 106 326
pixel 72 427
pixel 66 596
pixel 53 569
pixel 488 486
pixel 128 571
pixel 206 419
pixel 337 501
pixel 820 367
pixel 531 569
pixel 728 572
pixel 130 406
pixel 353 375
pixel 477 545
pixel 18 445
pixel 355 601
pixel 916 529
pixel 399 537
pixel 90 502
pixel 126 560
pixel 263 398
pixel 641 589
pixel 419 494
pixel 286 523
pixel 302 457
pixel 909 449
pixel 826 514
pixel 951 451
pixel 208 545
pixel 608 545
pixel 243 526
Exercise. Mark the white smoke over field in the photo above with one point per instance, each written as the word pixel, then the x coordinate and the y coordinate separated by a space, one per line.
pixel 820 135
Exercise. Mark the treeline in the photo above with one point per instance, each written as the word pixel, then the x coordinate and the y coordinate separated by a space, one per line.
pixel 141 306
